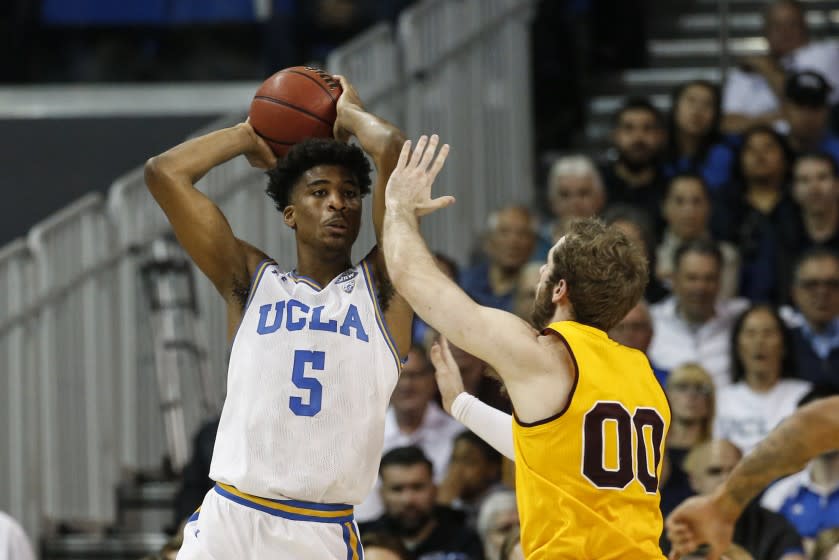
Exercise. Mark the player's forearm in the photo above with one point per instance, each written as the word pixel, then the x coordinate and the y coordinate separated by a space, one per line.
pixel 811 431
pixel 405 249
pixel 379 138
pixel 192 159
pixel 488 423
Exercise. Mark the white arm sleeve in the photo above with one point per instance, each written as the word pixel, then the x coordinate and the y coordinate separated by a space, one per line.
pixel 488 423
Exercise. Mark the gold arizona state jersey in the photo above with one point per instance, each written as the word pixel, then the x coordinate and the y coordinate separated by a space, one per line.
pixel 587 478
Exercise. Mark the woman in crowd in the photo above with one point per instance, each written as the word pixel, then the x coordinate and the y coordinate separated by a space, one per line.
pixel 687 215
pixel 690 391
pixel 764 390
pixel 696 144
pixel 758 215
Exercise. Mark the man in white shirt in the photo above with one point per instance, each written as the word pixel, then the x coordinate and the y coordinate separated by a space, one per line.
pixel 14 545
pixel 414 418
pixel 753 92
pixel 691 325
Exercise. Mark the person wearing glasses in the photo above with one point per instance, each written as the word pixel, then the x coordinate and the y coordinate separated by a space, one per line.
pixel 764 391
pixel 815 324
pixel 763 533
pixel 690 391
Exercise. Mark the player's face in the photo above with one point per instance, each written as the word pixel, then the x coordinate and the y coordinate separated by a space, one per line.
pixel 327 207
pixel 416 385
pixel 408 494
pixel 816 290
pixel 814 186
pixel 687 208
pixel 760 345
pixel 638 138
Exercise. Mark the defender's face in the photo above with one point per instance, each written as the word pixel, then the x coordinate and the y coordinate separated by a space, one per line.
pixel 326 205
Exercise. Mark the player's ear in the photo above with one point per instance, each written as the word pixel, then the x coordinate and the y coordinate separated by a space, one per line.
pixel 560 291
pixel 288 216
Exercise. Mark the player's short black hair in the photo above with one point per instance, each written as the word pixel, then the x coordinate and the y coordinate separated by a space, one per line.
pixel 308 154
pixel 405 457
pixel 488 451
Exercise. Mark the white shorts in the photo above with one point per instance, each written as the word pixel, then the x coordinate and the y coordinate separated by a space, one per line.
pixel 232 525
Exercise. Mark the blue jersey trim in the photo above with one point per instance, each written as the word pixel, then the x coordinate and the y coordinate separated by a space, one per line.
pixel 289 509
pixel 380 317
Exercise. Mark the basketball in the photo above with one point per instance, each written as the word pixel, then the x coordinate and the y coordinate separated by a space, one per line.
pixel 295 104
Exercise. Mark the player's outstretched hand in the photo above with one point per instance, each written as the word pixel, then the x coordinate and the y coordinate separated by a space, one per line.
pixel 449 381
pixel 697 521
pixel 409 186
pixel 348 101
pixel 259 155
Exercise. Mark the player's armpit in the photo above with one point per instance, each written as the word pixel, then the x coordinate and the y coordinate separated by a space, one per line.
pixel 397 313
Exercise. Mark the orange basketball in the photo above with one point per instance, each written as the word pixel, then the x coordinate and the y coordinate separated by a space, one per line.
pixel 295 104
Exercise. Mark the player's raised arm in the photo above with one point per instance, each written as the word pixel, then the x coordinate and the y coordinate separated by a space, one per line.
pixel 198 223
pixel 382 141
pixel 499 338
pixel 811 431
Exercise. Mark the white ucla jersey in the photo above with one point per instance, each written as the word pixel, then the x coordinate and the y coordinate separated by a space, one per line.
pixel 311 374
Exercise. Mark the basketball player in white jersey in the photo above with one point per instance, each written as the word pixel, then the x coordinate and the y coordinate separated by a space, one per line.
pixel 316 349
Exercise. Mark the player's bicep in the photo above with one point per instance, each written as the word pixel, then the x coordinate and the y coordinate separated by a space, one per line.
pixel 202 230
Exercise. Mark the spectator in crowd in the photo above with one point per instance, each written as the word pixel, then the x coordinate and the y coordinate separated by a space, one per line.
pixel 415 418
pixel 383 546
pixel 815 188
pixel 427 530
pixel 695 144
pixel 687 215
pixel 635 177
pixel 693 325
pixel 526 290
pixel 807 113
pixel 474 473
pixel 764 534
pixel 575 190
pixel 764 390
pixel 758 215
pixel 511 549
pixel 815 326
pixel 826 546
pixel 479 379
pixel 636 225
pixel 14 544
pixel 509 246
pixel 690 391
pixel 636 331
pixel 809 499
pixel 497 519
pixel 754 90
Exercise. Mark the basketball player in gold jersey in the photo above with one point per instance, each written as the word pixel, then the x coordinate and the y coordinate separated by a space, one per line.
pixel 590 418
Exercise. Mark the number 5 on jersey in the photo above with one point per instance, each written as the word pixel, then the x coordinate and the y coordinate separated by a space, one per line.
pixel 298 377
pixel 611 462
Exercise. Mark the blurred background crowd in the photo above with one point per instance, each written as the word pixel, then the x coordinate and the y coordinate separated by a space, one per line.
pixel 731 186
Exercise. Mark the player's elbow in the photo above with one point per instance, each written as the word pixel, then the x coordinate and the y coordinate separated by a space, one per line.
pixel 157 174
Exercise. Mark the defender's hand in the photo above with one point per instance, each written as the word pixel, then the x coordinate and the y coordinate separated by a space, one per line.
pixel 449 380
pixel 409 186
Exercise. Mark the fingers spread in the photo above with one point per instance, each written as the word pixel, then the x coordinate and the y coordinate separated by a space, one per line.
pixel 429 152
pixel 439 162
pixel 418 151
pixel 404 154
